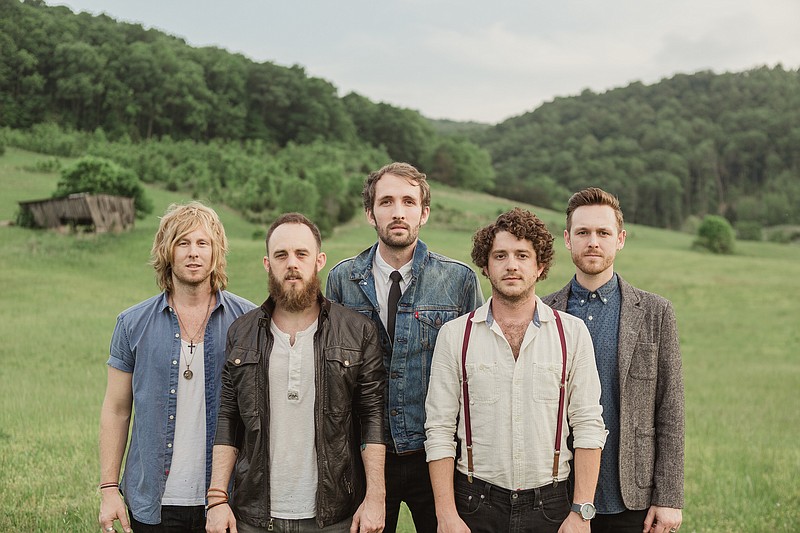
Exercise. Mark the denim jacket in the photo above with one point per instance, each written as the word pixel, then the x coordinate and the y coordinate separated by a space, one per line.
pixel 147 343
pixel 440 290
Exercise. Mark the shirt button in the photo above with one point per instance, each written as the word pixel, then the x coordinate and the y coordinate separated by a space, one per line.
pixel 172 391
pixel 347 363
pixel 177 335
pixel 394 375
pixel 583 301
pixel 169 445
pixel 594 295
pixel 174 362
pixel 394 412
pixel 172 417
pixel 591 317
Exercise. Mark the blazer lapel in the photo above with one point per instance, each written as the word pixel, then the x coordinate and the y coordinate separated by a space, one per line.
pixel 630 319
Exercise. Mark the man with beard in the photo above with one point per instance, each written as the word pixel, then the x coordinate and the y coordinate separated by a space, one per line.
pixel 512 380
pixel 409 292
pixel 165 362
pixel 302 403
pixel 638 357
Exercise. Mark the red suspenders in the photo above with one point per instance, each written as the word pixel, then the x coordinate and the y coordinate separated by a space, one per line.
pixel 562 388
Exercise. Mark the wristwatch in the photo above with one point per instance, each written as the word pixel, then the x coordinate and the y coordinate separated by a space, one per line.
pixel 586 510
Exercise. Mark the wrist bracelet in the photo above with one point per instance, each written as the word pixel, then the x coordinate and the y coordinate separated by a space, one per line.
pixel 212 505
pixel 108 485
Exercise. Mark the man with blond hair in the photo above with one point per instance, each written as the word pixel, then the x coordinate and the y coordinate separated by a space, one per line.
pixel 165 361
pixel 638 356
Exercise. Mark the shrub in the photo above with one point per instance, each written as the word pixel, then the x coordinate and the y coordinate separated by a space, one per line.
pixel 95 175
pixel 749 230
pixel 715 234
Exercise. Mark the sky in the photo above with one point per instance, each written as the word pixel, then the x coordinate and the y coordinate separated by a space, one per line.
pixel 484 60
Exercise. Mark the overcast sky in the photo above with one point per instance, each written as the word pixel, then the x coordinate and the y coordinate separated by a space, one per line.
pixel 481 60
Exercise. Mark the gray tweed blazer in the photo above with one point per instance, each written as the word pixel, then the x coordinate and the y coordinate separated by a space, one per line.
pixel 651 398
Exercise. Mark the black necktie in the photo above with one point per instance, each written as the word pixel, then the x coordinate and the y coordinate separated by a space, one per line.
pixel 394 297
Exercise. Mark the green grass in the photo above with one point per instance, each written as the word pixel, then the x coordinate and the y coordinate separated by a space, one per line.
pixel 738 319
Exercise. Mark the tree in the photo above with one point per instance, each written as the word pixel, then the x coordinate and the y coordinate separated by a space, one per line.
pixel 95 175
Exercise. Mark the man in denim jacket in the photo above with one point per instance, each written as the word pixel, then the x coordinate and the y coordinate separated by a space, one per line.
pixel 434 290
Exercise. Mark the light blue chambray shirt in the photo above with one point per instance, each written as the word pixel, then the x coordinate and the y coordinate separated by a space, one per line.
pixel 147 342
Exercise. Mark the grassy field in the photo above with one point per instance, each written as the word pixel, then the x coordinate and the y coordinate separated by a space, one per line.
pixel 737 315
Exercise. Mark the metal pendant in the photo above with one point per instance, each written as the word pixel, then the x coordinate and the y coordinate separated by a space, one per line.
pixel 188 374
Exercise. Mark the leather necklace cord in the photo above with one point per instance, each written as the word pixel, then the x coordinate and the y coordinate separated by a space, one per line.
pixel 188 372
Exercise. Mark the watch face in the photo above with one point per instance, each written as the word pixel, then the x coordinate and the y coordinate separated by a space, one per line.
pixel 588 511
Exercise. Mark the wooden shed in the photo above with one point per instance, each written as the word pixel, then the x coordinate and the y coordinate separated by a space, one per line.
pixel 103 212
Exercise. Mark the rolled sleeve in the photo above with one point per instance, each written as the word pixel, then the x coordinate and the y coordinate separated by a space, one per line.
pixel 442 403
pixel 120 354
pixel 583 386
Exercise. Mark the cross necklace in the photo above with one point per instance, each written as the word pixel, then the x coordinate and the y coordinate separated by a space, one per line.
pixel 188 372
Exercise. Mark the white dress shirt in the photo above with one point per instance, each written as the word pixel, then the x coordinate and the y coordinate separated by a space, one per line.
pixel 513 404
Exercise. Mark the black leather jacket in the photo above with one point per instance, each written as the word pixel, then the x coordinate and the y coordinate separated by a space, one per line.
pixel 350 382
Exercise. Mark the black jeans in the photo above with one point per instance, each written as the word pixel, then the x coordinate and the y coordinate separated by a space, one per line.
pixel 174 519
pixel 408 480
pixel 487 508
pixel 624 522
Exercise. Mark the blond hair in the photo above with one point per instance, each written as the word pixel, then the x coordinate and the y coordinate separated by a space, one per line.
pixel 179 221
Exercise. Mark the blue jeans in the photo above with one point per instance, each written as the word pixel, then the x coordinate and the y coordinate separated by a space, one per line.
pixel 308 525
pixel 487 508
pixel 174 519
pixel 408 480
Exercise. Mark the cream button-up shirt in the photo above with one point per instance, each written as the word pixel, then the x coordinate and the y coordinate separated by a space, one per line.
pixel 513 404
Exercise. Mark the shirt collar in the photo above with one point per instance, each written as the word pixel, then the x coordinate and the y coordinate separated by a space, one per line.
pixel 606 293
pixel 490 318
pixel 384 269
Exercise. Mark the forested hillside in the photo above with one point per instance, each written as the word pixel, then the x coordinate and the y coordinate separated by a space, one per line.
pixel 689 145
pixel 263 137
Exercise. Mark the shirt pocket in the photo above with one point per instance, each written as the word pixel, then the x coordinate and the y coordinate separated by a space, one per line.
pixel 245 371
pixel 644 361
pixel 342 366
pixel 546 382
pixel 482 383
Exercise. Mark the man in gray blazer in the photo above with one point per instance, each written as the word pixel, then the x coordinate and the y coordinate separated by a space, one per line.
pixel 635 338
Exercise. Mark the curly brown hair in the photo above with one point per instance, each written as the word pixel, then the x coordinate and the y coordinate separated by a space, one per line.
pixel 522 224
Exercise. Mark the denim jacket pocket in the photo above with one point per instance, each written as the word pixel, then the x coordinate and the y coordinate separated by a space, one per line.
pixel 431 321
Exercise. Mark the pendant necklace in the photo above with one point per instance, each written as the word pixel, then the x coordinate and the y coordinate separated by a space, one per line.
pixel 187 374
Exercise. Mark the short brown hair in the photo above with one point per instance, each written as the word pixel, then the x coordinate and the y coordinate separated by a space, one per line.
pixel 404 170
pixel 177 222
pixel 295 218
pixel 593 196
pixel 522 224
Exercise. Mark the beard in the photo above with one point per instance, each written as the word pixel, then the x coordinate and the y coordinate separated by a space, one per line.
pixel 514 295
pixel 297 297
pixel 397 241
pixel 592 265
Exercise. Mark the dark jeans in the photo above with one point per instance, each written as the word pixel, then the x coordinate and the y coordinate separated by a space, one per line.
pixel 308 525
pixel 624 522
pixel 408 480
pixel 174 519
pixel 487 508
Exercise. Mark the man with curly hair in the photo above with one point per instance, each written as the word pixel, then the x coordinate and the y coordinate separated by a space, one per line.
pixel 530 381
pixel 639 361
